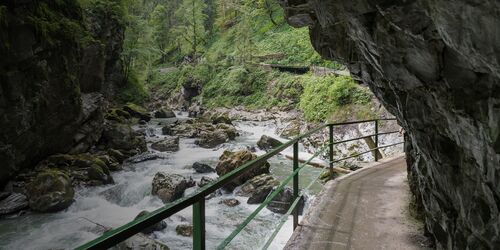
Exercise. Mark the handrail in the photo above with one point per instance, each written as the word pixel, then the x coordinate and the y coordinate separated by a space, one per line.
pixel 197 199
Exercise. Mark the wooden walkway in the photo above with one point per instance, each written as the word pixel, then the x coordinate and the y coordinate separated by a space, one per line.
pixel 367 209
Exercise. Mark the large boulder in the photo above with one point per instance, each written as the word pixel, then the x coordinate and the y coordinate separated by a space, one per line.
pixel 258 188
pixel 212 139
pixel 170 187
pixel 84 168
pixel 50 191
pixel 163 113
pixel 291 130
pixel 283 201
pixel 170 143
pixel 229 161
pixel 156 227
pixel 141 241
pixel 230 130
pixel 220 118
pixel 266 142
pixel 121 136
pixel 137 111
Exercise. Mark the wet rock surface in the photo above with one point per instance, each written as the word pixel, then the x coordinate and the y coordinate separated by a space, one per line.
pixel 266 142
pixel 50 191
pixel 185 230
pixel 230 202
pixel 229 161
pixel 163 113
pixel 170 187
pixel 283 201
pixel 432 65
pixel 258 188
pixel 13 203
pixel 202 168
pixel 170 144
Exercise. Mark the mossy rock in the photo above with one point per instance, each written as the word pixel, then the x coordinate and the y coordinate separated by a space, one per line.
pixel 50 191
pixel 118 115
pixel 137 111
pixel 185 230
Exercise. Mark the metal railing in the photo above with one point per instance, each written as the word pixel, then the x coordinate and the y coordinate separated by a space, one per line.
pixel 197 200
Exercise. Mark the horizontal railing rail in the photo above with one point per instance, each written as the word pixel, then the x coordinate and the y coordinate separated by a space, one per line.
pixel 197 199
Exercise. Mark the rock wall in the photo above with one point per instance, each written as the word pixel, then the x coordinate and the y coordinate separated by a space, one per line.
pixel 51 91
pixel 434 64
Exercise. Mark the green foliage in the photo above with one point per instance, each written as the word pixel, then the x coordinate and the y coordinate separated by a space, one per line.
pixel 191 31
pixel 133 91
pixel 324 96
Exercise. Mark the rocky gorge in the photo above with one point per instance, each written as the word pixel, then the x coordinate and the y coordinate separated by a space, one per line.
pixel 435 66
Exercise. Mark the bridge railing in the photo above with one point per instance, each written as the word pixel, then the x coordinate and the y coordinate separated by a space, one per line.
pixel 197 199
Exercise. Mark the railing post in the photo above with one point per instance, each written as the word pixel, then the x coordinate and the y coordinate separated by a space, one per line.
pixel 199 225
pixel 330 127
pixel 376 140
pixel 295 183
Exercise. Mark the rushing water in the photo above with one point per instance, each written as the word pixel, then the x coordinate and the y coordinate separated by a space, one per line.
pixel 117 204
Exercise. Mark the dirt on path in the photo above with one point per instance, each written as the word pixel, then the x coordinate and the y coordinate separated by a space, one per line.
pixel 363 210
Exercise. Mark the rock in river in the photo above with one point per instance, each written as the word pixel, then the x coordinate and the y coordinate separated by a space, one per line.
pixel 258 188
pixel 212 139
pixel 163 113
pixel 267 142
pixel 229 161
pixel 170 143
pixel 13 203
pixel 50 191
pixel 282 202
pixel 202 168
pixel 170 187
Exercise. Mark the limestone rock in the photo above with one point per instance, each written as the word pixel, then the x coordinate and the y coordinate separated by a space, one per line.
pixel 185 230
pixel 436 67
pixel 258 188
pixel 202 168
pixel 170 143
pixel 13 203
pixel 50 191
pixel 229 161
pixel 212 139
pixel 230 202
pixel 266 142
pixel 141 241
pixel 170 187
pixel 204 181
pixel 121 136
pixel 163 113
pixel 283 201
pixel 137 112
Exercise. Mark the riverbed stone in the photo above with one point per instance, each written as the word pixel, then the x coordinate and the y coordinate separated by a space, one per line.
pixel 185 230
pixel 283 201
pixel 230 202
pixel 213 139
pixel 202 168
pixel 13 203
pixel 229 161
pixel 121 136
pixel 141 241
pixel 170 187
pixel 164 113
pixel 50 191
pixel 156 227
pixel 170 144
pixel 137 111
pixel 204 181
pixel 258 188
pixel 266 142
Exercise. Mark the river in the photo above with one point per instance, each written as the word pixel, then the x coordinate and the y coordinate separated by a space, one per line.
pixel 117 204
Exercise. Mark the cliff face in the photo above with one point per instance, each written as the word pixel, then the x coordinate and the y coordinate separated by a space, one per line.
pixel 434 64
pixel 48 104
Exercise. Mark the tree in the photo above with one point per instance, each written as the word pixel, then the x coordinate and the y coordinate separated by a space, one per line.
pixel 191 31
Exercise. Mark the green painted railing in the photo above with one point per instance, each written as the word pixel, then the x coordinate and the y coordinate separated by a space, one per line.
pixel 197 200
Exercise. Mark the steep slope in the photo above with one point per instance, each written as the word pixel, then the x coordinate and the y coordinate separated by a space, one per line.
pixel 435 65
